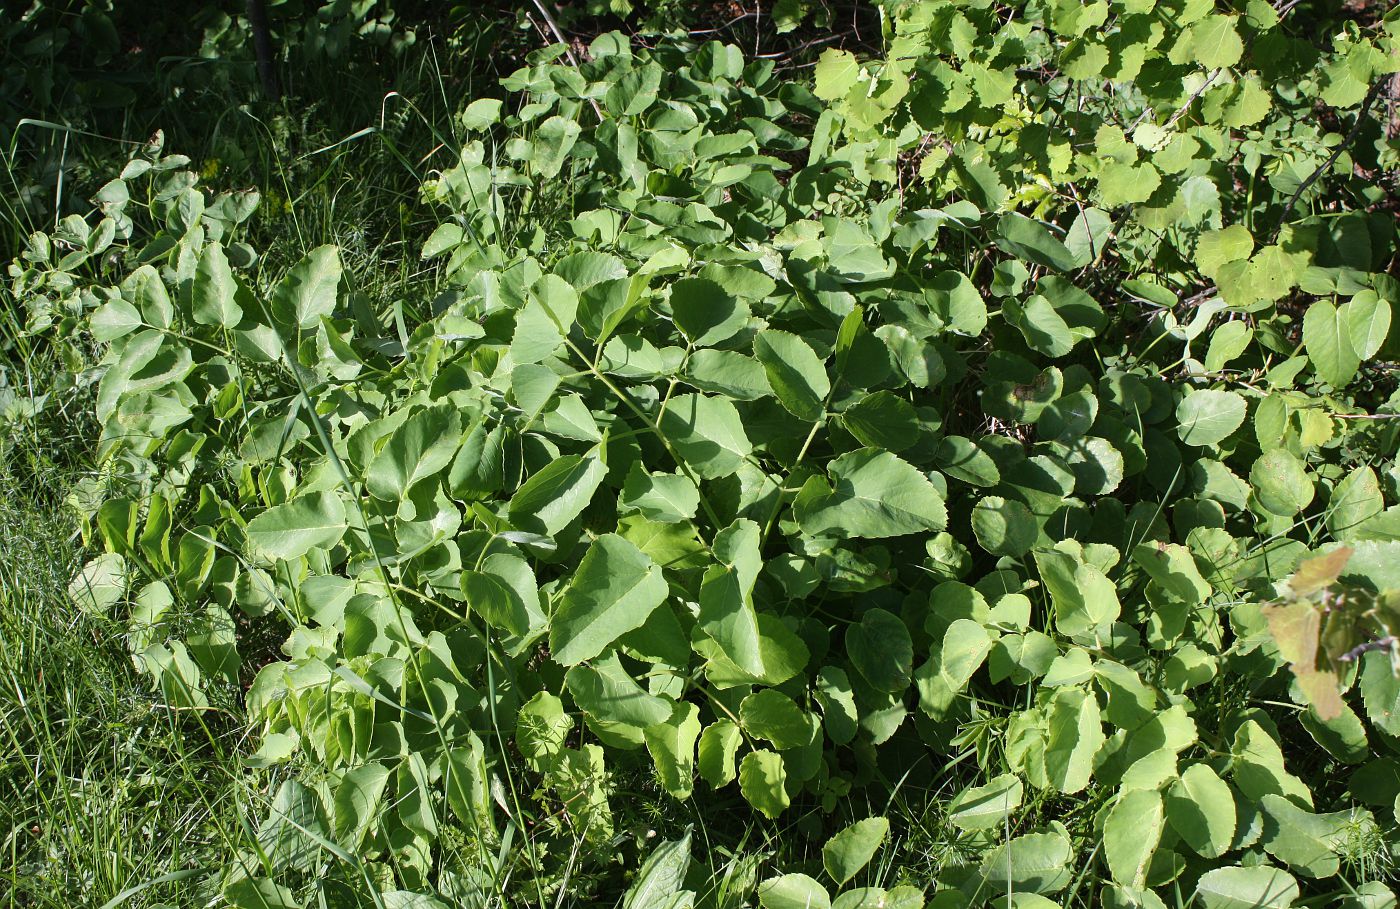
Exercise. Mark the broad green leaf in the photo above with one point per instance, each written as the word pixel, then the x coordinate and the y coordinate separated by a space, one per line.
pixel 895 348
pixel 1083 598
pixel 552 498
pixel 965 646
pixel 1206 417
pixel 177 676
pixel 1336 727
pixel 1380 692
pixel 1370 895
pixel 836 73
pixel 875 495
pixel 100 584
pixel 146 364
pixel 1327 337
pixel 1127 184
pixel 481 113
pixel 1130 835
pixel 1226 343
pixel 634 92
pixel 671 744
pixel 294 824
pixel 793 891
pixel 794 371
pixel 309 290
pixel 1076 733
pixel 838 704
pixel 1023 402
pixel 906 896
pixel 613 591
pixel 1354 500
pixel 719 744
pixel 1043 327
pixel 1253 887
pixel 1257 767
pixel 846 853
pixel 466 781
pixel 1004 526
pixel 882 420
pixel 1309 843
pixel 675 546
pixel 956 300
pixel 772 715
pixel 1032 241
pixel 358 800
pixel 727 612
pixel 632 357
pixel 421 447
pixel 1212 42
pixel 542 324
pixel 1174 569
pixel 1281 483
pixel 707 434
pixel 114 319
pixel 1097 466
pixel 1367 318
pixel 1217 248
pixel 1201 809
pixel 259 893
pixel 214 291
pixel 605 690
pixel 960 458
pixel 553 141
pixel 589 268
pixel 665 497
pixel 988 806
pixel 570 418
pixel 661 877
pixel 296 527
pixel 706 312
pixel 763 781
pixel 479 467
pixel 1030 863
pixel 881 650
pixel 1273 272
pixel 1069 418
pixel 541 729
pixel 727 372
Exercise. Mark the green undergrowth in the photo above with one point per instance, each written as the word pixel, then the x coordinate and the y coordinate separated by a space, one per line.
pixel 103 788
pixel 962 475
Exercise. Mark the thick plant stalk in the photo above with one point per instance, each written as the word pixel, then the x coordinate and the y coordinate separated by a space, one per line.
pixel 262 47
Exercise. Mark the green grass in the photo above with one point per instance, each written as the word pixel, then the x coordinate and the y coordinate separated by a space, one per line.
pixel 101 788
pixel 105 794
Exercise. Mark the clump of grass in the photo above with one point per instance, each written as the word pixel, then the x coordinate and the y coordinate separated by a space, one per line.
pixel 102 789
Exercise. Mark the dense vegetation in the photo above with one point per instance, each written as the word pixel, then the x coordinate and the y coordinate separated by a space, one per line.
pixel 923 453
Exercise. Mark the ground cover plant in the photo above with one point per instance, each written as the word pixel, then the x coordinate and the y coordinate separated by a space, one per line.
pixel 961 474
